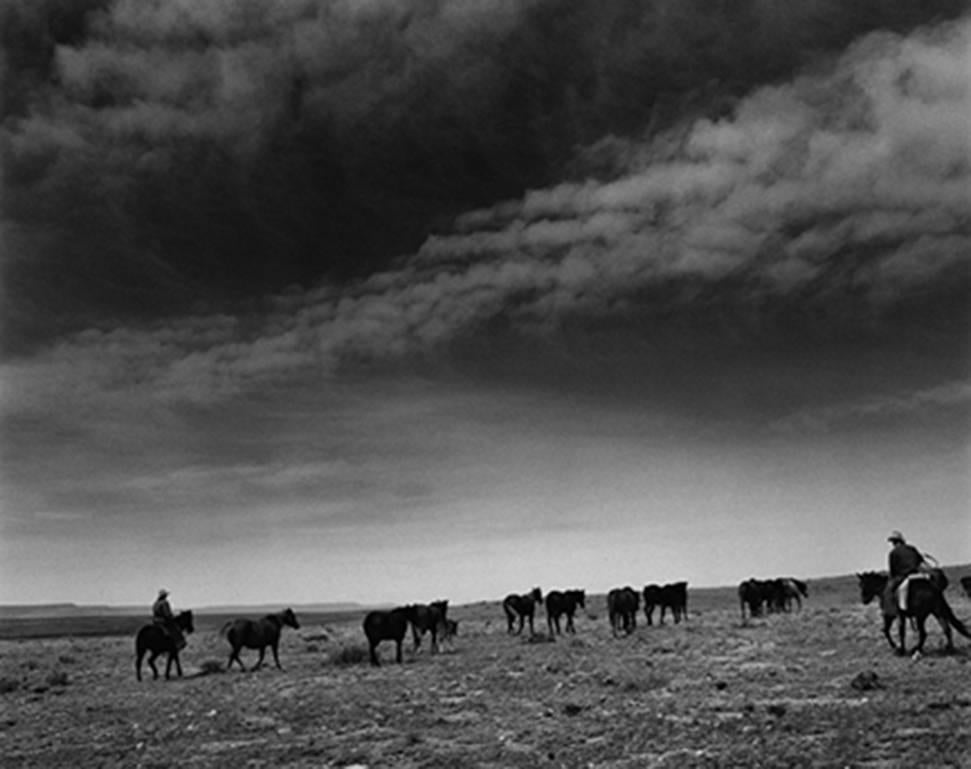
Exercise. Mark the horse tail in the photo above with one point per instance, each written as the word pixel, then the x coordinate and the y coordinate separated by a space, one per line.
pixel 225 628
pixel 508 608
pixel 952 619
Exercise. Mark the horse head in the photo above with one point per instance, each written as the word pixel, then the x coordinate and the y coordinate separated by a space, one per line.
pixel 537 595
pixel 872 584
pixel 290 619
pixel 184 620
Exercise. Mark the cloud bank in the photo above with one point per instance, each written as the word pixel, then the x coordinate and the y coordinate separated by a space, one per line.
pixel 161 154
pixel 832 204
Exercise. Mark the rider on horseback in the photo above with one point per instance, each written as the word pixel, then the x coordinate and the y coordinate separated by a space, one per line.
pixel 904 561
pixel 163 617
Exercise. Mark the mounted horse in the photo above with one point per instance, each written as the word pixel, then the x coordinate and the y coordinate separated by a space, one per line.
pixel 523 607
pixel 622 606
pixel 155 639
pixel 565 602
pixel 258 634
pixel 924 597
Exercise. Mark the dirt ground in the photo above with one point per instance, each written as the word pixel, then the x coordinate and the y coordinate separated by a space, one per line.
pixel 816 688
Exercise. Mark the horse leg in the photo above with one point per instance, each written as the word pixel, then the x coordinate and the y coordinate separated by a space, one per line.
pixel 168 665
pixel 921 634
pixel 234 657
pixel 372 650
pixel 178 664
pixel 397 653
pixel 946 628
pixel 902 633
pixel 276 658
pixel 138 663
pixel 151 664
pixel 259 662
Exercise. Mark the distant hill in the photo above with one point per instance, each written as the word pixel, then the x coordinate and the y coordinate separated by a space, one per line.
pixel 67 610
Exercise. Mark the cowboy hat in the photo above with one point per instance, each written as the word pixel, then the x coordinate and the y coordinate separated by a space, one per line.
pixel 896 536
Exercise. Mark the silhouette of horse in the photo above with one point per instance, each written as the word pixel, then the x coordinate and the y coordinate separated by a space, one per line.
pixel 792 590
pixel 523 606
pixel 755 593
pixel 925 596
pixel 559 603
pixel 154 638
pixel 674 596
pixel 652 598
pixel 622 606
pixel 381 626
pixel 430 618
pixel 966 584
pixel 258 634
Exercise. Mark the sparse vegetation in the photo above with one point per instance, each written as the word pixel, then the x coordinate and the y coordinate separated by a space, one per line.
pixel 349 655
pixel 817 688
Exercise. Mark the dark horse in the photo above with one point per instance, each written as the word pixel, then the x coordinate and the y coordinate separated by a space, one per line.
pixel 430 618
pixel 154 638
pixel 523 606
pixel 673 596
pixel 622 606
pixel 258 634
pixel 381 626
pixel 925 596
pixel 565 602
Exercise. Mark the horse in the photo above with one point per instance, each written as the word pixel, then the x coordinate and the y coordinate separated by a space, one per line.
pixel 793 590
pixel 523 606
pixel 966 584
pixel 652 598
pixel 674 596
pixel 565 602
pixel 156 639
pixel 622 605
pixel 925 596
pixel 754 593
pixel 258 634
pixel 381 626
pixel 428 618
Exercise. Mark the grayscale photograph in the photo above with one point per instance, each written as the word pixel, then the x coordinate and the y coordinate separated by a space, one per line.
pixel 485 383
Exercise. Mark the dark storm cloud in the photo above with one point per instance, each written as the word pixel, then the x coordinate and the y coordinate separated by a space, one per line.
pixel 836 204
pixel 158 154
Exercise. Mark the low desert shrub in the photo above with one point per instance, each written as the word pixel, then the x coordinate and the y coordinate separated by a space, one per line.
pixel 210 666
pixel 57 678
pixel 349 655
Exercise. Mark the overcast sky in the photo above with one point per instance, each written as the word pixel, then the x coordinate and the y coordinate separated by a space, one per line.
pixel 392 301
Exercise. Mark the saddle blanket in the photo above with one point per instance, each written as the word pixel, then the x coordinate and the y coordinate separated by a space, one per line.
pixel 904 587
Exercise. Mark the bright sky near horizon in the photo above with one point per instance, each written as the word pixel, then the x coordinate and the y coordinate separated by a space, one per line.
pixel 724 337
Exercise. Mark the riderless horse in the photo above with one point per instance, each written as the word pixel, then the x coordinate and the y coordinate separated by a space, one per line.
pixel 622 606
pixel 559 603
pixel 380 625
pixel 258 634
pixel 523 607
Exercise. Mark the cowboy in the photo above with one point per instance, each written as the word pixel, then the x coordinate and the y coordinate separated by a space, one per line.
pixel 904 560
pixel 163 617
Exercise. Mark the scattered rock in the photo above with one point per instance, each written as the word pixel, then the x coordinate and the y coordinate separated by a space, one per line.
pixel 866 681
pixel 776 710
pixel 721 685
pixel 572 709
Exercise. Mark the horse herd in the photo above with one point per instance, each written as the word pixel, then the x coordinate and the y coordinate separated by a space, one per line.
pixel 759 596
